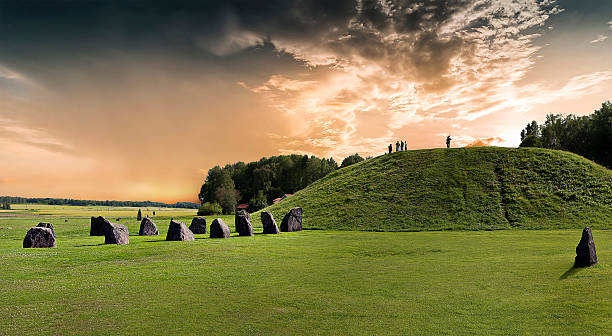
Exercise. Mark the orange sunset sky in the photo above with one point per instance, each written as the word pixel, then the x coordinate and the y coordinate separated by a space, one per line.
pixel 136 100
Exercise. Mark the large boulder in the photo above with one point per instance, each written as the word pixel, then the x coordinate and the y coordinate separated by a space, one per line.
pixel 115 233
pixel 198 225
pixel 292 221
pixel 268 222
pixel 97 226
pixel 48 226
pixel 178 231
pixel 148 227
pixel 585 251
pixel 39 237
pixel 243 223
pixel 218 229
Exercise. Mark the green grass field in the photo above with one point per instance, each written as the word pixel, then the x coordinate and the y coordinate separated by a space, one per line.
pixel 510 282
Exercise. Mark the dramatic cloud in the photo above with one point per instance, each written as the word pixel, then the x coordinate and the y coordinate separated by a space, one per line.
pixel 395 65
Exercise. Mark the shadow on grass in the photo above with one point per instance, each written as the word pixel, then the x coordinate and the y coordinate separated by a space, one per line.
pixel 89 245
pixel 573 270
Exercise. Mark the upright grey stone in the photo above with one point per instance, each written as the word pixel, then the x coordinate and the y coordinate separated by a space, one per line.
pixel 585 251
pixel 178 231
pixel 139 216
pixel 198 225
pixel 243 223
pixel 292 221
pixel 48 226
pixel 39 237
pixel 148 227
pixel 115 233
pixel 218 229
pixel 97 226
pixel 268 222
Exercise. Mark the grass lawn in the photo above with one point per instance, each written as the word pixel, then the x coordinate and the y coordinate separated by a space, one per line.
pixel 510 282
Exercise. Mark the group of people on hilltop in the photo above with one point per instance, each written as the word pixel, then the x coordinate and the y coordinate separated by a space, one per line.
pixel 403 145
pixel 399 146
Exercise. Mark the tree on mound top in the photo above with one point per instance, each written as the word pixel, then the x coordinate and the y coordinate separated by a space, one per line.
pixel 355 158
pixel 589 136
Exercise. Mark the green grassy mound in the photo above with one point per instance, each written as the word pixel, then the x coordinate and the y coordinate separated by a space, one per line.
pixel 459 189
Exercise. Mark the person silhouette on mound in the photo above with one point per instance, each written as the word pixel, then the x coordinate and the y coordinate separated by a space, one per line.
pixel 390 148
pixel 448 140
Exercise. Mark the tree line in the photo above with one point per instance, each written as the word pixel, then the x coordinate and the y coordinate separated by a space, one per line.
pixel 69 201
pixel 258 183
pixel 589 136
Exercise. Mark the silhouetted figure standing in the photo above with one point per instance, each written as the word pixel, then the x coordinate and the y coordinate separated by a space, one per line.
pixel 397 145
pixel 405 145
pixel 402 146
pixel 390 148
pixel 448 140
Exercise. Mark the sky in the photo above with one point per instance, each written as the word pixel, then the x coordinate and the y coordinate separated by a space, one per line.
pixel 136 100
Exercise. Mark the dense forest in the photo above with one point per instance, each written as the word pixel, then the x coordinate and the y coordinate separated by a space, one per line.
pixel 259 183
pixel 589 136
pixel 68 201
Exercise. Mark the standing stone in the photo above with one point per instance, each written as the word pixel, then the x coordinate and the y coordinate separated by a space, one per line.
pixel 116 234
pixel 243 223
pixel 198 225
pixel 218 229
pixel 139 216
pixel 292 221
pixel 48 226
pixel 585 251
pixel 268 222
pixel 178 231
pixel 148 227
pixel 97 226
pixel 39 237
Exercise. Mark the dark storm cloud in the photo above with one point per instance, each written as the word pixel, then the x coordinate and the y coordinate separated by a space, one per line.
pixel 38 34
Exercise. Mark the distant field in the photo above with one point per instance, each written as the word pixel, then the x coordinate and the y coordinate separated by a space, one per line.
pixel 511 282
pixel 36 210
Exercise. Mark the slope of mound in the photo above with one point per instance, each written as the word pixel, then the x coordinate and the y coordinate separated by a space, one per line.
pixel 459 189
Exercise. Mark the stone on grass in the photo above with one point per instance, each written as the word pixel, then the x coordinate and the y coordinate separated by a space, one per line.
pixel 139 216
pixel 218 229
pixel 243 223
pixel 178 231
pixel 585 251
pixel 292 221
pixel 48 226
pixel 115 233
pixel 39 237
pixel 97 226
pixel 198 225
pixel 268 222
pixel 148 227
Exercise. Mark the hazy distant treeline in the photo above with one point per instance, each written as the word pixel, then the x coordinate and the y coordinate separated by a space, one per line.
pixel 589 136
pixel 68 201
